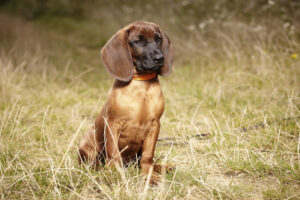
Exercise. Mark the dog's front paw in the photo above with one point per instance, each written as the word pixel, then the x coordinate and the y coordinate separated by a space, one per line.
pixel 153 179
pixel 164 168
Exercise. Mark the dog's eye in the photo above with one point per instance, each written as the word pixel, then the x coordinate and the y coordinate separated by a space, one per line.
pixel 138 42
pixel 158 39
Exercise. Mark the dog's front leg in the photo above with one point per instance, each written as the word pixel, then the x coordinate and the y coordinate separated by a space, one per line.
pixel 113 155
pixel 148 152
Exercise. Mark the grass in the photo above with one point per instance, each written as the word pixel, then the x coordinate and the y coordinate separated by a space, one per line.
pixel 230 75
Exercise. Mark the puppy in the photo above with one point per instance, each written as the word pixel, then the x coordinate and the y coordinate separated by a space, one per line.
pixel 128 125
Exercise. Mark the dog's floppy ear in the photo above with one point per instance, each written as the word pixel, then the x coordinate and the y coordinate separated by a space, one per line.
pixel 167 48
pixel 116 56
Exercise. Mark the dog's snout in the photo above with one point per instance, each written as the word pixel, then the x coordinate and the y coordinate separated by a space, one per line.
pixel 158 58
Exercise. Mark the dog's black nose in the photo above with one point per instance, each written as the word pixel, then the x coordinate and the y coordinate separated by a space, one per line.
pixel 159 58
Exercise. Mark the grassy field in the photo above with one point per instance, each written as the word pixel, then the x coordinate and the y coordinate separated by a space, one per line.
pixel 236 80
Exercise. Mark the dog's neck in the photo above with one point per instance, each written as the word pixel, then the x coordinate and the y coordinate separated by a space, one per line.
pixel 144 77
pixel 140 80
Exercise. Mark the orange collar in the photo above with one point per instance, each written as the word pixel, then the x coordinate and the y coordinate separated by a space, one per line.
pixel 144 77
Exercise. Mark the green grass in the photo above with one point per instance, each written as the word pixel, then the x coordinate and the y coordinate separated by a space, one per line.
pixel 225 78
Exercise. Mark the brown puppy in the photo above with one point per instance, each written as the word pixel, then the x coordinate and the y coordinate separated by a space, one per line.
pixel 128 125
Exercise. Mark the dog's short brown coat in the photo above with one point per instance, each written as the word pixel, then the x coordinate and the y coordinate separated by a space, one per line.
pixel 129 123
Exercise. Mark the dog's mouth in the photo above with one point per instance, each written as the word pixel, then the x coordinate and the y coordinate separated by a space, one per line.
pixel 151 69
pixel 151 66
pixel 143 67
pixel 156 67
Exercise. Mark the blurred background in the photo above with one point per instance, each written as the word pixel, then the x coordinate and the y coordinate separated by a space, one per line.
pixel 201 28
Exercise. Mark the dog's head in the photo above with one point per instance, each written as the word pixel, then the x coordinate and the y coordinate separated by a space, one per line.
pixel 140 45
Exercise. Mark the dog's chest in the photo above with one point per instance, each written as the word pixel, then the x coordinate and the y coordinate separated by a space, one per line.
pixel 139 108
pixel 140 101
